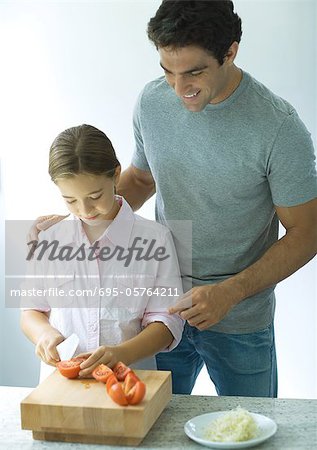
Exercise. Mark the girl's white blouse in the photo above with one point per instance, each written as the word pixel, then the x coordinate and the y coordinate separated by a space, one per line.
pixel 103 299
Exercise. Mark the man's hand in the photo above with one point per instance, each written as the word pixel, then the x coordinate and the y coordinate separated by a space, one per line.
pixel 204 306
pixel 103 355
pixel 41 224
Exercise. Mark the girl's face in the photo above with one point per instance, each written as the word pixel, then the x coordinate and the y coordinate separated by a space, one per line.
pixel 90 197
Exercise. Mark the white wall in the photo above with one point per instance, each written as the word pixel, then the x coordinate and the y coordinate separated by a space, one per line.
pixel 1 275
pixel 67 63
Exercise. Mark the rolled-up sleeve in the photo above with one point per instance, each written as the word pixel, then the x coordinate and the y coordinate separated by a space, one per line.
pixel 168 289
pixel 172 321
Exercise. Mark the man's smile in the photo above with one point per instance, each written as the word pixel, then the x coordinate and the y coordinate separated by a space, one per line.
pixel 191 95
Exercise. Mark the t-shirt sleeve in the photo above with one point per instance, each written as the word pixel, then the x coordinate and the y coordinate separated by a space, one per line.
pixel 139 159
pixel 291 168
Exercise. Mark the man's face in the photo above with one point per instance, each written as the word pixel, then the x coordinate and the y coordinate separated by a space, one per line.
pixel 195 75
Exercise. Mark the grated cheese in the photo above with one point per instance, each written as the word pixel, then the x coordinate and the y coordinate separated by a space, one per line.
pixel 237 425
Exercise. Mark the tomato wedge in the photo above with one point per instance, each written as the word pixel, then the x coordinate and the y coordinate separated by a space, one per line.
pixel 102 373
pixel 112 379
pixel 121 370
pixel 130 392
pixel 117 394
pixel 70 368
pixel 130 380
pixel 136 393
pixel 134 388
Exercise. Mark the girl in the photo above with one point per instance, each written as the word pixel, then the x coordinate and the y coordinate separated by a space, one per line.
pixel 107 275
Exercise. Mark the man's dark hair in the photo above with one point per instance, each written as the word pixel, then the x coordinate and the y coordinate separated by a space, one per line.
pixel 209 24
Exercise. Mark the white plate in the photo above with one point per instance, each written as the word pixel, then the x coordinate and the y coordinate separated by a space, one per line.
pixel 196 427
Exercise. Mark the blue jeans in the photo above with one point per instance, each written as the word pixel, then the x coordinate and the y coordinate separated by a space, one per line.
pixel 238 364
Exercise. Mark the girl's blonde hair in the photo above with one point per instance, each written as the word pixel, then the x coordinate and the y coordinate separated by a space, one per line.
pixel 82 149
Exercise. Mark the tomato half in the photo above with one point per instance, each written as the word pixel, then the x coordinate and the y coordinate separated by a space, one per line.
pixel 71 367
pixel 102 373
pixel 117 394
pixel 121 370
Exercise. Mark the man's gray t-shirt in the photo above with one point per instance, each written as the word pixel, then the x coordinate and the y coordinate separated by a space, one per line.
pixel 225 168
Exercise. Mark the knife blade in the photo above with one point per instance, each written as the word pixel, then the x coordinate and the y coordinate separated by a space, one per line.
pixel 68 347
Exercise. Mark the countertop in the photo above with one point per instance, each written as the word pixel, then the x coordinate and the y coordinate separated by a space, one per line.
pixel 296 420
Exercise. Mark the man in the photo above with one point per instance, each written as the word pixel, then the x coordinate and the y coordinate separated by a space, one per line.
pixel 221 150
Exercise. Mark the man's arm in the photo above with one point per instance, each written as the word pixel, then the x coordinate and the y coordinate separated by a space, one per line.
pixel 136 186
pixel 288 254
pixel 205 306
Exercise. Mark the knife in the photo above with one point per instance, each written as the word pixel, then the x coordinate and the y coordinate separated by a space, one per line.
pixel 68 347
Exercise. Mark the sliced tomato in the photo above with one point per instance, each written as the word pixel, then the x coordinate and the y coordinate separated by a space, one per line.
pixel 79 359
pixel 121 370
pixel 112 379
pixel 117 394
pixel 134 388
pixel 130 392
pixel 102 373
pixel 130 380
pixel 136 394
pixel 71 367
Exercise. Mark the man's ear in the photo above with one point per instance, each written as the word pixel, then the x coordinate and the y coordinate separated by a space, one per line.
pixel 231 53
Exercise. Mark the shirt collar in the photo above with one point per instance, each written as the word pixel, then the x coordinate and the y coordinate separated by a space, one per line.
pixel 118 232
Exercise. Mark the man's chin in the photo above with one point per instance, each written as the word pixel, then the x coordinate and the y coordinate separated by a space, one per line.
pixel 194 108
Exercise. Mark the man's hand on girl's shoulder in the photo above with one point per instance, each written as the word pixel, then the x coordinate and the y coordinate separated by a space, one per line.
pixel 43 223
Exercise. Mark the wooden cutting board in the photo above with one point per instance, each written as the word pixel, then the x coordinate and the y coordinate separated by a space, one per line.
pixel 81 410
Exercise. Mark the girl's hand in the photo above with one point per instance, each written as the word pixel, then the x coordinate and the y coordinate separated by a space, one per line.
pixel 103 355
pixel 46 346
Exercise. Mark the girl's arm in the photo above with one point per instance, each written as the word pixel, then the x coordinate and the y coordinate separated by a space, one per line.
pixel 152 339
pixel 35 325
pixel 155 337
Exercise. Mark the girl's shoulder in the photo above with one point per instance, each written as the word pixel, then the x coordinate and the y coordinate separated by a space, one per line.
pixel 62 231
pixel 152 227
